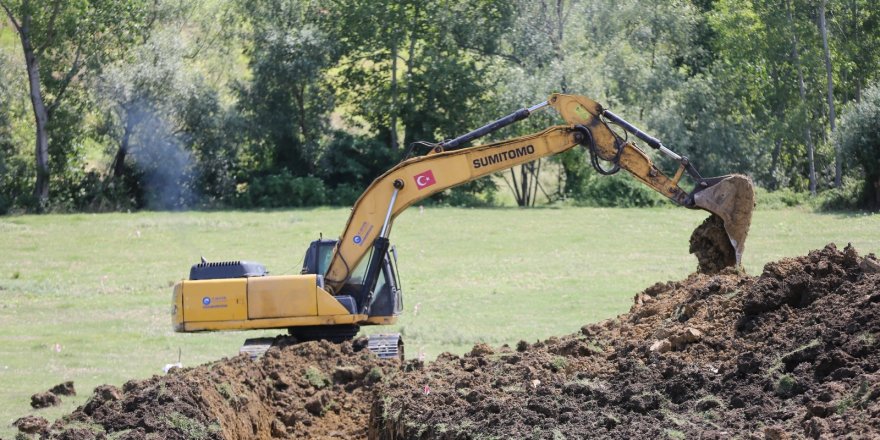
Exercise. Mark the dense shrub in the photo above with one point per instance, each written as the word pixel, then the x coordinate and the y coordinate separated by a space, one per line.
pixel 619 190
pixel 850 196
pixel 858 136
pixel 782 198
pixel 477 194
pixel 281 190
pixel 355 161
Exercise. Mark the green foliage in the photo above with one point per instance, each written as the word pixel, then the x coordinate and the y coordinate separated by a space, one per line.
pixel 189 427
pixel 281 189
pixel 858 136
pixel 674 434
pixel 167 104
pixel 375 375
pixel 559 363
pixel 350 163
pixel 316 377
pixel 288 100
pixel 419 64
pixel 785 385
pixel 479 193
pixel 619 190
pixel 858 398
pixel 213 134
pixel 850 196
pixel 783 198
pixel 225 390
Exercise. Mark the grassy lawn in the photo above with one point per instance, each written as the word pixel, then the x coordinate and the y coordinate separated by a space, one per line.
pixel 87 297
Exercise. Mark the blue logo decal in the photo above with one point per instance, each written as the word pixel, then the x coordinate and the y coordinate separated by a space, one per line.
pixel 357 239
pixel 206 300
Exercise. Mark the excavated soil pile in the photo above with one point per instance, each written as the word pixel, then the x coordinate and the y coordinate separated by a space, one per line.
pixel 794 351
pixel 311 390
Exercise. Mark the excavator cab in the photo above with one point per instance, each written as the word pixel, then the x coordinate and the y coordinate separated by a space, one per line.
pixel 373 288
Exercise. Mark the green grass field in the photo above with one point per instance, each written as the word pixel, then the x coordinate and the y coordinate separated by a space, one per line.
pixel 87 297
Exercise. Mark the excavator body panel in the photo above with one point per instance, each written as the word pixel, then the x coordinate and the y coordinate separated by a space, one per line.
pixel 235 296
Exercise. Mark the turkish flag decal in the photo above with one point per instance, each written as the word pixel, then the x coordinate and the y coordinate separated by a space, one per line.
pixel 425 179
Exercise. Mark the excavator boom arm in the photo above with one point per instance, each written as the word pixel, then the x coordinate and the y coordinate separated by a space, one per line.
pixel 418 178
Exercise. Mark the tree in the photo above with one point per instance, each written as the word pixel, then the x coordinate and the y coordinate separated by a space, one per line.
pixel 856 25
pixel 288 101
pixel 418 66
pixel 60 41
pixel 858 138
pixel 823 31
pixel 808 137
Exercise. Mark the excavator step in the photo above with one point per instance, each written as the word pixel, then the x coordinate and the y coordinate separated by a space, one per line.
pixel 256 347
pixel 383 345
pixel 386 345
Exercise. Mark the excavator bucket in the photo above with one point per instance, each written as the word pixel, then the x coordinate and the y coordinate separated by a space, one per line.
pixel 720 240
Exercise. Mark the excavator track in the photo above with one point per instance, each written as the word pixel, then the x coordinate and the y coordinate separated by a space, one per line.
pixel 383 345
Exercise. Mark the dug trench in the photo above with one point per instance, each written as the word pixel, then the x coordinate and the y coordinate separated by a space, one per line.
pixel 794 351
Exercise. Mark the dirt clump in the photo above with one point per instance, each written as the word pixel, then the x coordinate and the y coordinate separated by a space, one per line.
pixel 63 389
pixel 31 424
pixel 711 245
pixel 794 351
pixel 44 400
pixel 309 390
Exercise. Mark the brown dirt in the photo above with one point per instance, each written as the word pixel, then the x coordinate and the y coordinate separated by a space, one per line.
pixel 794 351
pixel 63 389
pixel 44 400
pixel 31 424
pixel 310 390
pixel 710 244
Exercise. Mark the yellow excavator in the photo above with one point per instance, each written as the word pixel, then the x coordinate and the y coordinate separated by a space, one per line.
pixel 353 281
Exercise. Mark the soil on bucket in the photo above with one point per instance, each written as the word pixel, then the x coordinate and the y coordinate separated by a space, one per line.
pixel 711 245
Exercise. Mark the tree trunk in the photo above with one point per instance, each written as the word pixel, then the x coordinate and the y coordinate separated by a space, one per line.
pixel 808 138
pixel 41 114
pixel 410 65
pixel 774 164
pixel 122 152
pixel 560 33
pixel 823 30
pixel 393 124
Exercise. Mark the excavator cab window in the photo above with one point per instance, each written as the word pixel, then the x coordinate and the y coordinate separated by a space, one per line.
pixel 318 256
pixel 387 295
pixel 386 300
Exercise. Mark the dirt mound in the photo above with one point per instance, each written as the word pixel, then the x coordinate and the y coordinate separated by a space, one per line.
pixel 794 350
pixel 314 389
